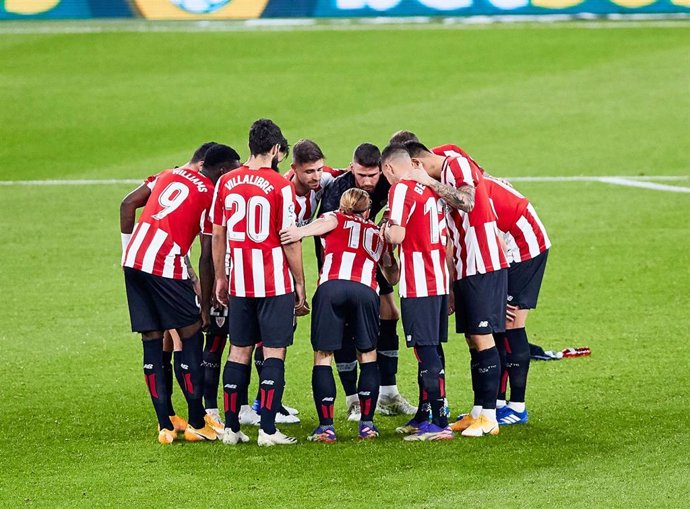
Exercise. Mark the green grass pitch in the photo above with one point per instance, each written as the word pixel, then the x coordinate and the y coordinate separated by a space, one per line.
pixel 76 424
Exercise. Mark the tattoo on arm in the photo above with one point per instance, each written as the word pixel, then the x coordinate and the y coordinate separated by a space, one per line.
pixel 461 198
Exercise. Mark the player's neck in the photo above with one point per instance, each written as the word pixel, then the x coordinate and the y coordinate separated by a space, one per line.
pixel 300 189
pixel 434 165
pixel 260 161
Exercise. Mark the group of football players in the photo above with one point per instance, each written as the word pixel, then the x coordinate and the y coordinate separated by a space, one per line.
pixel 453 238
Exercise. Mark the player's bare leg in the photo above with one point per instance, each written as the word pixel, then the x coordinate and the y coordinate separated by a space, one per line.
pixel 391 402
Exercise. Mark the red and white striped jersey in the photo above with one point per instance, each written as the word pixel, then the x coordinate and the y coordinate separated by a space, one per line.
pixel 254 206
pixel 177 210
pixel 475 235
pixel 423 270
pixel 454 151
pixel 305 206
pixel 352 250
pixel 523 231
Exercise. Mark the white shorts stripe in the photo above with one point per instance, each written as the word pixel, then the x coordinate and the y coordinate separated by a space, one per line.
pixel 258 278
pixel 152 251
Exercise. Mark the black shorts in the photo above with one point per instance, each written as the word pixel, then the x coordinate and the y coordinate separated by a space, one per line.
pixel 267 320
pixel 158 303
pixel 425 320
pixel 524 281
pixel 343 310
pixel 480 303
pixel 385 288
pixel 218 323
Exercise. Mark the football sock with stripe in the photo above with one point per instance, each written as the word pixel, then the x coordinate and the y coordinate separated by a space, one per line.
pixel 500 341
pixel 423 405
pixel 346 364
pixel 387 350
pixel 474 372
pixel 192 354
pixel 323 388
pixel 517 363
pixel 258 364
pixel 442 357
pixel 154 376
pixel 168 371
pixel 368 389
pixel 271 385
pixel 488 377
pixel 213 351
pixel 235 384
pixel 431 368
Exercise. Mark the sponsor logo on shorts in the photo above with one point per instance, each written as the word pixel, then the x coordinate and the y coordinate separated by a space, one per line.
pixel 483 323
pixel 184 366
pixel 148 366
pixel 408 338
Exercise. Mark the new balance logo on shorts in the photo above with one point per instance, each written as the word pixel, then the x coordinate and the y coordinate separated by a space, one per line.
pixel 483 323
pixel 148 366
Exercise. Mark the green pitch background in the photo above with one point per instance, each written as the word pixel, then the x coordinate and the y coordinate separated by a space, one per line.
pixel 76 424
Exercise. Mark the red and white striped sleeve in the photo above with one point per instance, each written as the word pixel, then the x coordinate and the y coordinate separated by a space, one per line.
pixel 400 203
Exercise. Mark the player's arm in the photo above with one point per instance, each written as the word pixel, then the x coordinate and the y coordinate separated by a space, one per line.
pixel 450 263
pixel 205 277
pixel 461 198
pixel 293 252
pixel 392 233
pixel 192 275
pixel 320 226
pixel 389 266
pixel 128 211
pixel 218 250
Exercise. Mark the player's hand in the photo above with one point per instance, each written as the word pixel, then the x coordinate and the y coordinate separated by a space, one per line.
pixel 382 230
pixel 205 319
pixel 419 174
pixel 510 312
pixel 303 311
pixel 451 303
pixel 197 287
pixel 290 234
pixel 221 291
pixel 300 299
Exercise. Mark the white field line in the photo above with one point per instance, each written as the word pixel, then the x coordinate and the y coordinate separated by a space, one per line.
pixel 578 21
pixel 645 182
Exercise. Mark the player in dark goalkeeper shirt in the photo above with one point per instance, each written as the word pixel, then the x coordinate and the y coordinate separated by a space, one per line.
pixel 365 173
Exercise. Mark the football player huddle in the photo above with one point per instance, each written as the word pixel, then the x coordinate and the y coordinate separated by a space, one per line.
pixel 452 238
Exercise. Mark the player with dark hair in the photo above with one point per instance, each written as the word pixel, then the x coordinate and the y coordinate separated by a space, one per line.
pixel 479 263
pixel 159 292
pixel 252 205
pixel 137 199
pixel 365 173
pixel 347 294
pixel 417 225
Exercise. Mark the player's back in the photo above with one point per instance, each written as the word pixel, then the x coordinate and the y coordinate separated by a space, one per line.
pixel 450 150
pixel 254 206
pixel 508 203
pixel 475 233
pixel 352 250
pixel 175 213
pixel 422 252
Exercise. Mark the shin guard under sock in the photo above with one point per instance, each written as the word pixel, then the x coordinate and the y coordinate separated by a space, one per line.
pixel 323 388
pixel 235 383
pixel 213 351
pixel 154 376
pixel 193 373
pixel 368 389
pixel 387 350
pixel 168 370
pixel 271 385
pixel 517 363
pixel 488 376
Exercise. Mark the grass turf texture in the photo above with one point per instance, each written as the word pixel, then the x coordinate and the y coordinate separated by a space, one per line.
pixel 77 427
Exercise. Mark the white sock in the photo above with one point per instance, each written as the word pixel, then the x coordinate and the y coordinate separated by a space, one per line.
pixel 518 407
pixel 489 414
pixel 351 399
pixel 500 403
pixel 388 390
pixel 476 411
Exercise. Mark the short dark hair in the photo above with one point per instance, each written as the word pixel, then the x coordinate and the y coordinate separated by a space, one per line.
pixel 219 154
pixel 403 137
pixel 263 136
pixel 415 148
pixel 200 153
pixel 306 151
pixel 285 147
pixel 392 150
pixel 367 155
